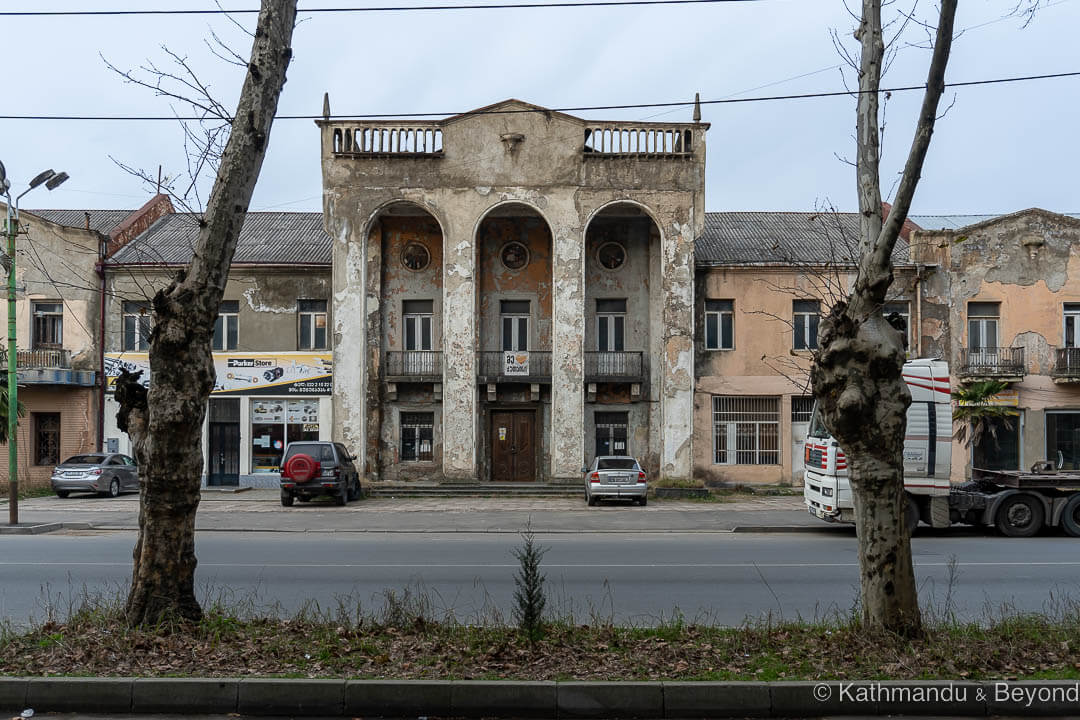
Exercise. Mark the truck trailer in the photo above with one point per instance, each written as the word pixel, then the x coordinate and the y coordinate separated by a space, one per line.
pixel 1017 503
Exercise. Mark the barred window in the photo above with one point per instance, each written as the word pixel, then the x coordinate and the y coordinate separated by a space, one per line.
pixel 746 430
pixel 46 438
pixel 801 408
pixel 611 435
pixel 417 436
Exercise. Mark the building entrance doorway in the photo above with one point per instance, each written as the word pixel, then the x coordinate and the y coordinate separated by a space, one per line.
pixel 513 446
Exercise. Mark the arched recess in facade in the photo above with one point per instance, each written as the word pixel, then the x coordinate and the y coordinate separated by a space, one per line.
pixel 514 334
pixel 623 310
pixel 403 340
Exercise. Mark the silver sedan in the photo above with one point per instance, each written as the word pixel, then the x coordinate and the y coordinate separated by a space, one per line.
pixel 107 474
pixel 615 476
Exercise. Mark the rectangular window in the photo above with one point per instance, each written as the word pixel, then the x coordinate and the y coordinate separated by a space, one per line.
pixel 277 422
pixel 611 433
pixel 1063 440
pixel 902 308
pixel 983 325
pixel 418 316
pixel 802 407
pixel 46 438
pixel 417 436
pixel 48 325
pixel 515 324
pixel 1072 325
pixel 746 430
pixel 136 326
pixel 999 446
pixel 719 324
pixel 312 314
pixel 805 316
pixel 226 325
pixel 611 325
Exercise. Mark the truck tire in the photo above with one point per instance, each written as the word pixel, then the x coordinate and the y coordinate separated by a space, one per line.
pixel 1019 515
pixel 1070 516
pixel 911 514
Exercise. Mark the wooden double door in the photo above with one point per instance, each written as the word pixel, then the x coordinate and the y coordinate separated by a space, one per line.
pixel 513 446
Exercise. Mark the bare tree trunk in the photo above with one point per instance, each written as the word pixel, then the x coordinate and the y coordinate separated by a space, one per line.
pixel 165 423
pixel 857 372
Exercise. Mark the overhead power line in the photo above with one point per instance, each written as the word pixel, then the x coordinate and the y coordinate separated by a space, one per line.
pixel 584 108
pixel 385 8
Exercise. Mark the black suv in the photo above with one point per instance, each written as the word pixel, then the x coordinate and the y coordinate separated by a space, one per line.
pixel 312 468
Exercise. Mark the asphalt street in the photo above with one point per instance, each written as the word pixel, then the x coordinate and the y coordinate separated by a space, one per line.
pixel 628 577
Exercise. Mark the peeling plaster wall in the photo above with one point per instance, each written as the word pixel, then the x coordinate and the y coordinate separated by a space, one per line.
pixel 1029 262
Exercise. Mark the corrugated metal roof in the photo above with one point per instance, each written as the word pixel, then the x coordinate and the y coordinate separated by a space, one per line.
pixel 771 238
pixel 267 238
pixel 103 221
pixel 955 222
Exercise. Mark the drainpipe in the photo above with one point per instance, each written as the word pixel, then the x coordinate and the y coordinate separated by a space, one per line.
pixel 100 268
pixel 918 309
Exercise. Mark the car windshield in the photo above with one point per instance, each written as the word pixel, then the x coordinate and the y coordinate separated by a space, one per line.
pixel 617 463
pixel 84 460
pixel 322 453
pixel 817 425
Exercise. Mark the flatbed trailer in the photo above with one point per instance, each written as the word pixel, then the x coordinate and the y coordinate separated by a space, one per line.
pixel 1017 503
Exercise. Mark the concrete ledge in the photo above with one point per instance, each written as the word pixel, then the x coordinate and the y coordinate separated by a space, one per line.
pixel 74 694
pixel 802 698
pixel 610 699
pixel 1056 698
pixel 716 699
pixel 291 697
pixel 480 698
pixel 397 698
pixel 929 697
pixel 185 695
pixel 13 694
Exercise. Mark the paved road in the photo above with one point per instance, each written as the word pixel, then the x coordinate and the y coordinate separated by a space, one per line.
pixel 633 577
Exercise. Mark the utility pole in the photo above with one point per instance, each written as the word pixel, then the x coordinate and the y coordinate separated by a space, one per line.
pixel 52 180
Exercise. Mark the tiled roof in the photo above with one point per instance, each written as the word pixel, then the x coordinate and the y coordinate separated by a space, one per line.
pixel 782 238
pixel 269 238
pixel 955 222
pixel 103 221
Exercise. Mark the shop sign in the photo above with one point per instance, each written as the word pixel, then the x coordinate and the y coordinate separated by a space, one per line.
pixel 288 373
pixel 516 363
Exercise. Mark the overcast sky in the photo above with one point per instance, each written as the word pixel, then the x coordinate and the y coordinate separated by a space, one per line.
pixel 1000 148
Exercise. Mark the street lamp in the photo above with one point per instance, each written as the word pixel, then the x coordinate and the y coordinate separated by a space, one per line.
pixel 52 181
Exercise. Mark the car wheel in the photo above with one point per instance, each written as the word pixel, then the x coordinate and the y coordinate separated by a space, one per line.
pixel 342 495
pixel 911 514
pixel 643 501
pixel 354 489
pixel 591 500
pixel 114 489
pixel 287 499
pixel 62 493
pixel 1019 516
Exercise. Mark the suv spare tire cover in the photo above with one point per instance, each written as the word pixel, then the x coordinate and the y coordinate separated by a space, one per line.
pixel 301 468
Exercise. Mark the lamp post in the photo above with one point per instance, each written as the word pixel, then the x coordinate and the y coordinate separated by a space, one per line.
pixel 51 180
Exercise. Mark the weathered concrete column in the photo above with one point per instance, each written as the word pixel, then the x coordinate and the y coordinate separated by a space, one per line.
pixel 372 351
pixel 677 379
pixel 568 353
pixel 459 441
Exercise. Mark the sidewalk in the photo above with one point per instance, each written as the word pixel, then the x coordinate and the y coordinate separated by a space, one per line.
pixel 261 511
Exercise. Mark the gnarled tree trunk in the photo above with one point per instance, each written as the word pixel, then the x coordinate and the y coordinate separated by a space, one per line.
pixel 165 423
pixel 857 372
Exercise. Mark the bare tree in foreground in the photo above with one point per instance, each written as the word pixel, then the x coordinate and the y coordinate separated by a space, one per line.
pixel 856 374
pixel 165 422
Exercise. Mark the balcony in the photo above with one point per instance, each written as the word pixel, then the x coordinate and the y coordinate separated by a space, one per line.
pixel 1005 364
pixel 608 367
pixel 47 367
pixel 640 140
pixel 1066 365
pixel 498 366
pixel 405 139
pixel 413 366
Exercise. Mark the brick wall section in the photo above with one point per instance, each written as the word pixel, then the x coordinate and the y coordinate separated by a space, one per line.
pixel 78 430
pixel 138 222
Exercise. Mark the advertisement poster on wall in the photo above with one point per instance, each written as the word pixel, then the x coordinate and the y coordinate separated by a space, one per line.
pixel 286 373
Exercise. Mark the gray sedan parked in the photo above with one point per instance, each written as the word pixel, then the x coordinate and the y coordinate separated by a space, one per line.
pixel 107 474
pixel 615 476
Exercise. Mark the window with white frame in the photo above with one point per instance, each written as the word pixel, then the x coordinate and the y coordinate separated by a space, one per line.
pixel 719 324
pixel 805 315
pixel 902 308
pixel 418 316
pixel 312 316
pixel 417 436
pixel 227 325
pixel 746 430
pixel 611 325
pixel 515 324
pixel 1071 335
pixel 983 325
pixel 136 321
pixel 48 325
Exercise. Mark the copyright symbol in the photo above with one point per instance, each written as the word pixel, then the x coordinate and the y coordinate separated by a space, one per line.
pixel 822 692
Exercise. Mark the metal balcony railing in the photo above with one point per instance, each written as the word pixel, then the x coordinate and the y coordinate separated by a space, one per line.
pixel 1067 364
pixel 525 366
pixel 414 364
pixel 626 366
pixel 991 362
pixel 38 359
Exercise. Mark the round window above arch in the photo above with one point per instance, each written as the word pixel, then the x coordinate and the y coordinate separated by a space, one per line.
pixel 611 255
pixel 514 255
pixel 415 257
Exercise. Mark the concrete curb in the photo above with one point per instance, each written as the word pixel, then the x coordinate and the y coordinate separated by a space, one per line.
pixel 512 699
pixel 107 527
pixel 43 528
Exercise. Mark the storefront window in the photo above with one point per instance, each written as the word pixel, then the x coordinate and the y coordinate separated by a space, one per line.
pixel 275 424
pixel 999 446
pixel 1063 439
